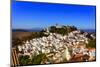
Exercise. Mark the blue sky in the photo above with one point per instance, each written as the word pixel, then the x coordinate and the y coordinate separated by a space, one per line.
pixel 27 15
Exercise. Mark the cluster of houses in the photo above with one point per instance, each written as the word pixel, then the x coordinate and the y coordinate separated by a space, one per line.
pixel 59 48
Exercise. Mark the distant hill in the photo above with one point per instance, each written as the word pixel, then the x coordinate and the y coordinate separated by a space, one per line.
pixel 19 30
pixel 89 30
pixel 27 30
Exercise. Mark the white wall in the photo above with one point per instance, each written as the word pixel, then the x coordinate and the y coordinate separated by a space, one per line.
pixel 5 33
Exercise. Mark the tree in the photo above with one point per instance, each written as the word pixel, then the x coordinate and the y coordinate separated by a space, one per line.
pixel 91 44
pixel 52 29
pixel 38 59
pixel 24 60
pixel 64 30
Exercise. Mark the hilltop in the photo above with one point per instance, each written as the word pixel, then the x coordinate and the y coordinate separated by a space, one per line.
pixel 56 44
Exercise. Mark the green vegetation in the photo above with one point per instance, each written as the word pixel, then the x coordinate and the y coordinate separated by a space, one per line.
pixel 38 59
pixel 25 60
pixel 39 34
pixel 91 44
pixel 64 30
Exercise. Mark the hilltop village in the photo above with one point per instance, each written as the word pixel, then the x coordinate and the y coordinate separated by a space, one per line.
pixel 57 47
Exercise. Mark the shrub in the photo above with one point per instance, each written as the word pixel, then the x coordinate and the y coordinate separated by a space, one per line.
pixel 91 44
pixel 24 60
pixel 38 59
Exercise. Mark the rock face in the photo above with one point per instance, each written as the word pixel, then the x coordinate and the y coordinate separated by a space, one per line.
pixel 57 47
